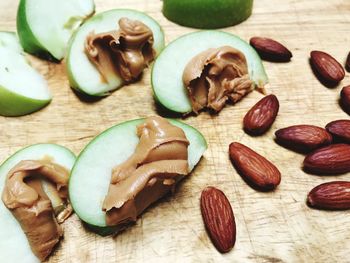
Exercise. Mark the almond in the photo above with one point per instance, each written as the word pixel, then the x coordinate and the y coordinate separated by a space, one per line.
pixel 333 159
pixel 254 168
pixel 345 99
pixel 270 50
pixel 340 129
pixel 261 116
pixel 347 64
pixel 330 196
pixel 218 219
pixel 303 138
pixel 327 68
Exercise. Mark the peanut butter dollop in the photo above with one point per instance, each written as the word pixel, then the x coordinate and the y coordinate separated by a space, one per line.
pixel 158 163
pixel 124 52
pixel 24 195
pixel 216 75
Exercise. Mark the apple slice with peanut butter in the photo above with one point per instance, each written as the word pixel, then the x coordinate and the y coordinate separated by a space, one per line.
pixel 112 49
pixel 34 186
pixel 129 167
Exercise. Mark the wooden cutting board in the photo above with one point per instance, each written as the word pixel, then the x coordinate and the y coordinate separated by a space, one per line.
pixel 271 227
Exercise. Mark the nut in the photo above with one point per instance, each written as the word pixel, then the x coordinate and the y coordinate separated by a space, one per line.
pixel 303 138
pixel 254 168
pixel 345 99
pixel 347 64
pixel 340 129
pixel 271 50
pixel 218 219
pixel 333 159
pixel 330 196
pixel 261 116
pixel 327 68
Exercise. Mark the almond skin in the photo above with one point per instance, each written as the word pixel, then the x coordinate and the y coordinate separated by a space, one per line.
pixel 218 219
pixel 330 196
pixel 327 68
pixel 255 169
pixel 270 50
pixel 347 64
pixel 261 116
pixel 345 99
pixel 333 159
pixel 340 129
pixel 303 138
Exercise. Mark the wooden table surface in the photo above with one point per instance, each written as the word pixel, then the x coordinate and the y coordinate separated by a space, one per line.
pixel 271 227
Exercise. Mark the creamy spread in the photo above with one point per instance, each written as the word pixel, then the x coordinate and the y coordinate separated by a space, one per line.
pixel 158 163
pixel 124 52
pixel 26 197
pixel 216 75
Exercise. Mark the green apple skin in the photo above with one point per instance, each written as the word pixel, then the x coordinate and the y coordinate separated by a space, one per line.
pixel 14 246
pixel 73 51
pixel 90 176
pixel 13 104
pixel 166 78
pixel 207 14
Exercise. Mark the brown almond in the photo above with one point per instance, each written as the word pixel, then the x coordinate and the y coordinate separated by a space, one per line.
pixel 270 50
pixel 261 116
pixel 255 169
pixel 340 129
pixel 333 159
pixel 303 138
pixel 345 99
pixel 330 196
pixel 327 68
pixel 347 64
pixel 218 219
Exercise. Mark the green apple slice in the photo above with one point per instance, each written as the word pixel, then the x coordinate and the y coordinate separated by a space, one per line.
pixel 45 26
pixel 83 75
pixel 167 84
pixel 207 14
pixel 22 89
pixel 91 174
pixel 14 246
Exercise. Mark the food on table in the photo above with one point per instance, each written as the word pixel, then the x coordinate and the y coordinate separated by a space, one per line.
pixel 130 166
pixel 208 56
pixel 22 89
pixel 33 183
pixel 45 27
pixel 303 138
pixel 207 13
pixel 340 129
pixel 255 169
pixel 330 196
pixel 328 70
pixel 270 49
pixel 345 99
pixel 112 49
pixel 332 159
pixel 261 116
pixel 218 218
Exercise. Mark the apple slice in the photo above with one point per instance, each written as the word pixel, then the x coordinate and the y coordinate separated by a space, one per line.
pixel 91 174
pixel 22 89
pixel 45 27
pixel 83 75
pixel 167 83
pixel 207 13
pixel 14 246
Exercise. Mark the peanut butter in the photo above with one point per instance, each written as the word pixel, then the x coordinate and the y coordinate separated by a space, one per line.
pixel 216 75
pixel 158 163
pixel 24 195
pixel 124 52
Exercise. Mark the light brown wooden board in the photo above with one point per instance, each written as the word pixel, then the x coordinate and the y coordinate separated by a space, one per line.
pixel 271 227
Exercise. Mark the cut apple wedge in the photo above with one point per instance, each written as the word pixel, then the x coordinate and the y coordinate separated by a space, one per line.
pixel 45 27
pixel 82 73
pixel 168 69
pixel 14 246
pixel 22 89
pixel 91 175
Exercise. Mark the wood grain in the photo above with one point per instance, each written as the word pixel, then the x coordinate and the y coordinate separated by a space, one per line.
pixel 271 227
